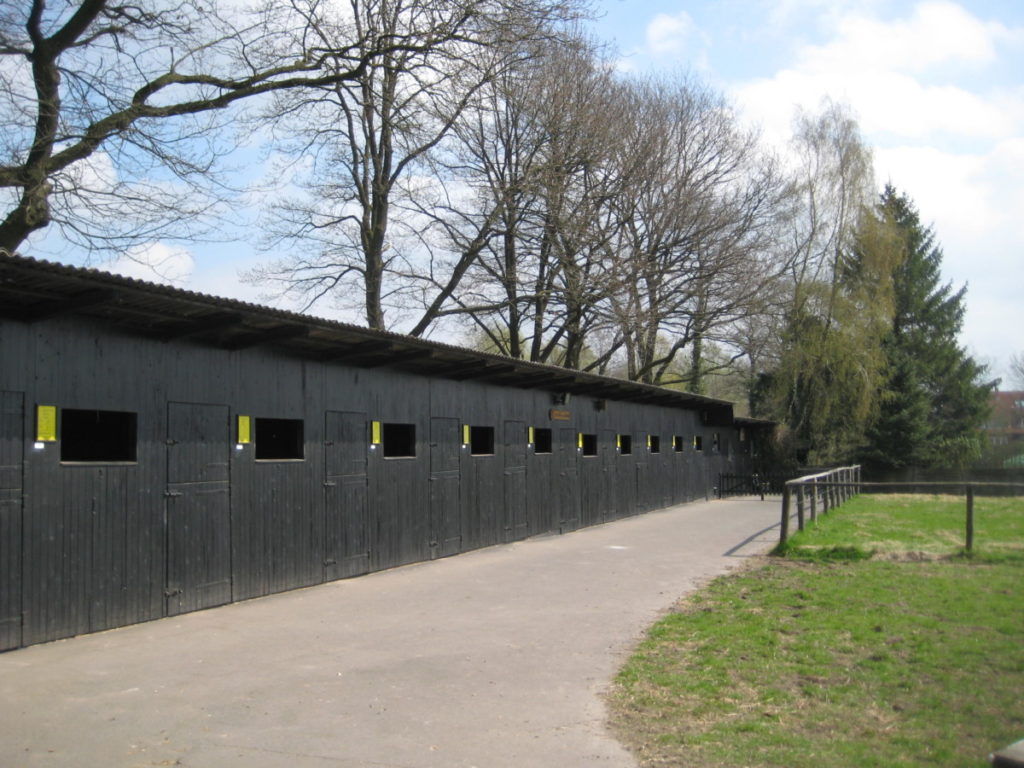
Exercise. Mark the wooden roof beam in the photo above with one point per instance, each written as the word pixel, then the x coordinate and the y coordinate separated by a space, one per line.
pixel 482 371
pixel 207 324
pixel 269 336
pixel 345 353
pixel 56 307
pixel 376 360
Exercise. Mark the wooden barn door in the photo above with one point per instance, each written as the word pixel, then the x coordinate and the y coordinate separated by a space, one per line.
pixel 347 517
pixel 198 507
pixel 445 513
pixel 607 505
pixel 11 441
pixel 516 523
pixel 568 480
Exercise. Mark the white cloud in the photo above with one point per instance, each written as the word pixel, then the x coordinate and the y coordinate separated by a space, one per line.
pixel 936 33
pixel 155 262
pixel 890 72
pixel 919 86
pixel 668 35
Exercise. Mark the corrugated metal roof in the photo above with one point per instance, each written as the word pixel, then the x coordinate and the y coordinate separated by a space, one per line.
pixel 33 290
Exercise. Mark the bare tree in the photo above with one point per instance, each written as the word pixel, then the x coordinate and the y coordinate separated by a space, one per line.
pixel 1017 369
pixel 497 156
pixel 694 229
pixel 531 161
pixel 110 112
pixel 370 140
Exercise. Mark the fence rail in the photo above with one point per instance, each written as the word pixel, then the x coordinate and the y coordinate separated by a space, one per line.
pixel 829 489
pixel 751 484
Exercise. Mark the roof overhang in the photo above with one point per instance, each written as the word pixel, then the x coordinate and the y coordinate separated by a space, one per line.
pixel 32 290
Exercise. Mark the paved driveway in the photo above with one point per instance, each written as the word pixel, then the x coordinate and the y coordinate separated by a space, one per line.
pixel 491 659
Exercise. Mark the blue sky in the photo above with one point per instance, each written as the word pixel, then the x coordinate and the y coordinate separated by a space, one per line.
pixel 937 86
pixel 938 89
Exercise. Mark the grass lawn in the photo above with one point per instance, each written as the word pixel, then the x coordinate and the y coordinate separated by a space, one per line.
pixel 904 524
pixel 812 661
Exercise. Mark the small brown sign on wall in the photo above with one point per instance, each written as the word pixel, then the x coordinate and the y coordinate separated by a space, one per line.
pixel 560 414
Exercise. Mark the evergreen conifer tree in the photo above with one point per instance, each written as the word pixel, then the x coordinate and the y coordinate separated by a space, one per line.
pixel 933 400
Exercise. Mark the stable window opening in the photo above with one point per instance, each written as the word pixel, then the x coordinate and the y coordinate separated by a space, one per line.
pixel 677 443
pixel 481 441
pixel 98 436
pixel 716 442
pixel 625 444
pixel 541 440
pixel 278 439
pixel 398 441
pixel 655 443
pixel 589 445
pixel 698 443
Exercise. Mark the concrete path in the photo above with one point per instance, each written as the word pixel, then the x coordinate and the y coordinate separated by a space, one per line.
pixel 495 659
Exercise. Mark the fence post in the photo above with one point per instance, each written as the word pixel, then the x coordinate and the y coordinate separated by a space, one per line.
pixel 970 517
pixel 800 507
pixel 784 523
pixel 814 499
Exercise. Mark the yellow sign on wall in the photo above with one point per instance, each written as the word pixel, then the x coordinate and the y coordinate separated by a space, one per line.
pixel 375 436
pixel 529 435
pixel 465 434
pixel 46 423
pixel 244 429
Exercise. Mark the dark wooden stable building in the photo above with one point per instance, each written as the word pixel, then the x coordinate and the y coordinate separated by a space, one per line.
pixel 163 451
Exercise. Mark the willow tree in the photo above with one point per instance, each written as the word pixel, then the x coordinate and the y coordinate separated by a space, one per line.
pixel 828 370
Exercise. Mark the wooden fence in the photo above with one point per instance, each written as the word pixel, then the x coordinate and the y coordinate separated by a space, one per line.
pixel 826 490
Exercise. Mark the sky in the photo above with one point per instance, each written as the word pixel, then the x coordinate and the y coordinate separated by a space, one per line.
pixel 936 86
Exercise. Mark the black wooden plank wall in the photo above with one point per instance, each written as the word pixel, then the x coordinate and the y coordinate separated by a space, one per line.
pixel 347 532
pixel 198 506
pixel 541 470
pixel 11 442
pixel 196 520
pixel 568 480
pixel 445 507
pixel 516 526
